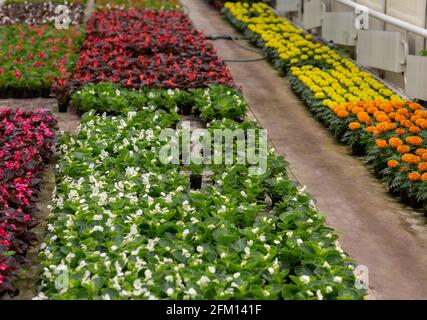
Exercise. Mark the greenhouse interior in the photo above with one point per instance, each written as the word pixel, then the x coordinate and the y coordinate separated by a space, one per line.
pixel 213 150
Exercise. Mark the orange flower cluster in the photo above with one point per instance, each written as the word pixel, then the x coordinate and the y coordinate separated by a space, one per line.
pixel 399 125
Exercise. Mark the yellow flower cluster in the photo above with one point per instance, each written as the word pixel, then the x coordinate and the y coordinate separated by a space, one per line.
pixel 340 82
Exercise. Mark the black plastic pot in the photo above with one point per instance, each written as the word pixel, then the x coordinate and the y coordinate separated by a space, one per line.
pixel 393 191
pixel 275 201
pixel 186 109
pixel 414 203
pixel 358 149
pixel 62 106
pixel 196 181
pixel 377 170
pixel 404 197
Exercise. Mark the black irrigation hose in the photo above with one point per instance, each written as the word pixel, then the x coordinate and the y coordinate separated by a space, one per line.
pixel 235 40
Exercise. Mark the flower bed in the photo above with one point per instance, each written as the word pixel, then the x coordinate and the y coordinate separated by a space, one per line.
pixel 34 57
pixel 38 13
pixel 125 226
pixel 140 4
pixel 213 102
pixel 358 109
pixel 144 48
pixel 26 139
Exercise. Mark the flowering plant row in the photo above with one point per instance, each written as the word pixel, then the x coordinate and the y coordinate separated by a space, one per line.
pixel 392 134
pixel 213 102
pixel 126 226
pixel 38 13
pixel 358 109
pixel 287 46
pixel 26 142
pixel 145 48
pixel 34 57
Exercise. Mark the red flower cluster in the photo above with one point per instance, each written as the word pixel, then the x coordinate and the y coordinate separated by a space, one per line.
pixel 140 48
pixel 26 142
pixel 32 57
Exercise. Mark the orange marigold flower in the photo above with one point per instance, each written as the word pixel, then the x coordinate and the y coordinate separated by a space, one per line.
pixel 403 149
pixel 382 144
pixel 382 118
pixel 406 123
pixel 357 110
pixel 372 110
pixel 423 124
pixel 422 166
pixel 388 110
pixel 402 111
pixel 392 163
pixel 414 106
pixel 414 176
pixel 364 117
pixel 395 142
pixel 414 140
pixel 342 114
pixel 424 177
pixel 414 130
pixel 424 157
pixel 391 126
pixel 420 152
pixel 411 158
pixel 400 131
pixel 383 127
pixel 354 126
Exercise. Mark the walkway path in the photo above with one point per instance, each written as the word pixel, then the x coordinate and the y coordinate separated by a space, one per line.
pixel 375 229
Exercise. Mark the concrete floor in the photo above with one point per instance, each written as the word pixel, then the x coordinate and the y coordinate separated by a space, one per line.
pixel 376 230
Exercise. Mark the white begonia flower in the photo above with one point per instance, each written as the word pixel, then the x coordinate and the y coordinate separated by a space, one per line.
pixel 329 289
pixel 304 279
pixel 319 295
pixel 236 275
pixel 299 242
pixel 199 249
pixel 192 293
pixel 97 217
pixel 148 274
pixel 326 265
pixel 211 269
pixel 309 293
pixel 169 291
pixel 337 279
pixel 137 284
pixel 97 228
pixel 185 232
pixel 203 281
pixel 271 270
